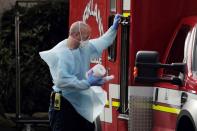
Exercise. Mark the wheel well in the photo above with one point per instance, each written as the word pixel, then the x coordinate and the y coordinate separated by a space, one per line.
pixel 185 124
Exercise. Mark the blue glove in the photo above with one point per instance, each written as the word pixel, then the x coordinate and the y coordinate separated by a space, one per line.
pixel 116 22
pixel 94 80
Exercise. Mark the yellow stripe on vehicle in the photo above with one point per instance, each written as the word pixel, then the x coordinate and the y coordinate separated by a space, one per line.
pixel 166 109
pixel 126 14
pixel 114 103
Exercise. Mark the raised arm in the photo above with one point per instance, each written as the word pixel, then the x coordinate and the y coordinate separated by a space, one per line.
pixel 107 38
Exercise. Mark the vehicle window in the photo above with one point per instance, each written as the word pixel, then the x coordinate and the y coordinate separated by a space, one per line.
pixel 176 54
pixel 187 41
pixel 113 5
pixel 190 50
pixel 112 51
pixel 126 4
pixel 194 58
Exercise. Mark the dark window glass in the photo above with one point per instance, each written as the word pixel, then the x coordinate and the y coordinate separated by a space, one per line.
pixel 176 53
pixel 112 51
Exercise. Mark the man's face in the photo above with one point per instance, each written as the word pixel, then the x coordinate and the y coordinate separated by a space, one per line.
pixel 84 36
pixel 84 33
pixel 81 37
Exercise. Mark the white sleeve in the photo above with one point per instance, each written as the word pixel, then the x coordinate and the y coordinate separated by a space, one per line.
pixel 65 78
pixel 105 40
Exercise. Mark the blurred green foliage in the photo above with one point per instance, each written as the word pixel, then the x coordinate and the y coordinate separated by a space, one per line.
pixel 41 27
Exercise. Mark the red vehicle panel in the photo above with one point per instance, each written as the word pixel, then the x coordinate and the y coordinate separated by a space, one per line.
pixel 154 25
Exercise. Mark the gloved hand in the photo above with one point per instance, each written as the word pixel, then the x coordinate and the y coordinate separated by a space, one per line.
pixel 94 80
pixel 116 22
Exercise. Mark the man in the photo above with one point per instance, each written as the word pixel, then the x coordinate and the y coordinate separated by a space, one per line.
pixel 68 62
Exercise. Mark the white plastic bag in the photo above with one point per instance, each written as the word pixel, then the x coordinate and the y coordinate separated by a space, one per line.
pixel 99 98
pixel 98 95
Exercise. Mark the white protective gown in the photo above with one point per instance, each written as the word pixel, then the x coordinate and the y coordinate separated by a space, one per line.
pixel 68 69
